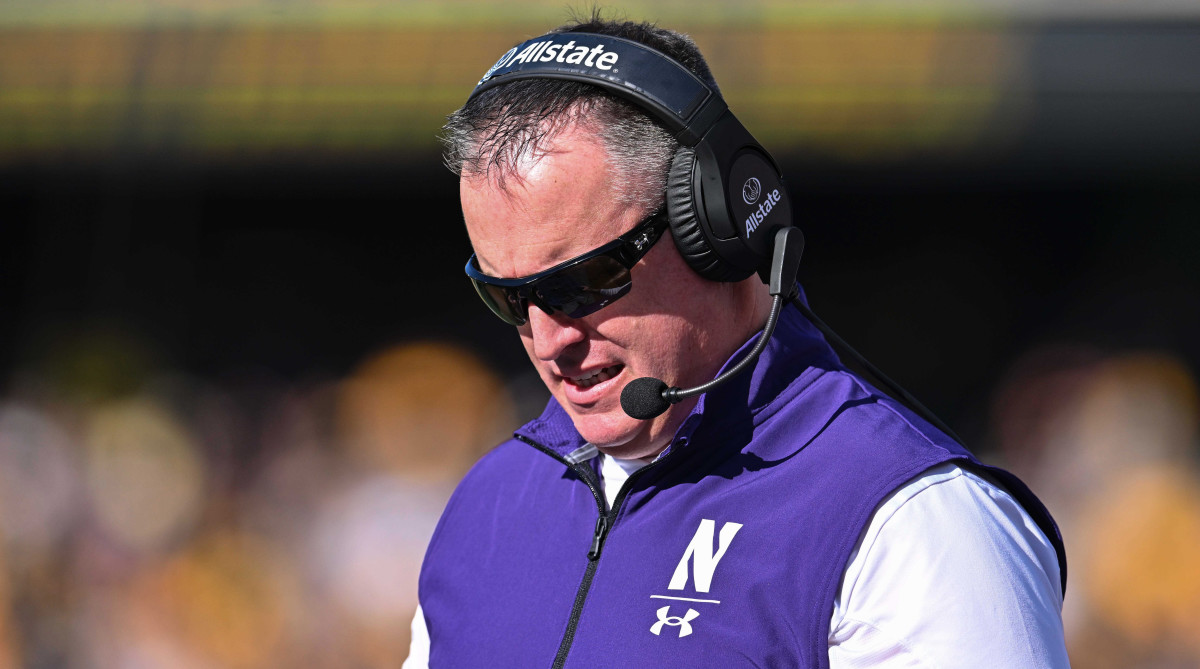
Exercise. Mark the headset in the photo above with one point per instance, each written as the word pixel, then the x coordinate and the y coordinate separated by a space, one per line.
pixel 725 194
pixel 728 208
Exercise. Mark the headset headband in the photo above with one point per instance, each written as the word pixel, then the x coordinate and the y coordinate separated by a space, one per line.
pixel 681 100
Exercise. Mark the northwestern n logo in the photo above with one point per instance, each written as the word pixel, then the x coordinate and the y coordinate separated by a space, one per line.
pixel 700 554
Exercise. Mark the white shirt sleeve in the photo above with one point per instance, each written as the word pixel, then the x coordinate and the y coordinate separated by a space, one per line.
pixel 950 572
pixel 418 650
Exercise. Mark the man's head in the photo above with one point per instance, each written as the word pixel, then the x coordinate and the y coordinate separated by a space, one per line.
pixel 553 169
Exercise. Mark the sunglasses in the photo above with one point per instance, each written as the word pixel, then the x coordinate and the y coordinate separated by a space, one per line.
pixel 580 286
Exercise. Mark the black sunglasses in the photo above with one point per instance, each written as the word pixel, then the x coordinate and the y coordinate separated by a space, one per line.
pixel 580 286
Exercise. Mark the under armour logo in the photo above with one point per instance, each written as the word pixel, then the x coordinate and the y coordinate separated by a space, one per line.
pixel 684 623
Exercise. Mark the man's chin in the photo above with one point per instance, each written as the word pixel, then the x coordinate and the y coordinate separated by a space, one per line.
pixel 610 431
pixel 618 435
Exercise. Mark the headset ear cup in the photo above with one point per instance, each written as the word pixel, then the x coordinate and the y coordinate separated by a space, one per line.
pixel 685 220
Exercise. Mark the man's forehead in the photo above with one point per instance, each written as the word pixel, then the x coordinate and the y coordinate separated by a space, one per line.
pixel 508 158
pixel 563 206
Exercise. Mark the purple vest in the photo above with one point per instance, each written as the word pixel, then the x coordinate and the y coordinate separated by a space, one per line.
pixel 728 551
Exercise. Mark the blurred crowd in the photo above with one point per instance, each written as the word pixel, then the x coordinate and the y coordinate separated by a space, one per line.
pixel 1109 441
pixel 153 519
pixel 169 521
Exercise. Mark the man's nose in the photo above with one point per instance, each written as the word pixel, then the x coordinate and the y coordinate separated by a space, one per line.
pixel 553 333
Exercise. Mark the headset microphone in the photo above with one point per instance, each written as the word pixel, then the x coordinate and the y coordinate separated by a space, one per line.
pixel 647 397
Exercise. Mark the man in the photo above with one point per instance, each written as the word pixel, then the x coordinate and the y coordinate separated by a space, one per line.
pixel 791 517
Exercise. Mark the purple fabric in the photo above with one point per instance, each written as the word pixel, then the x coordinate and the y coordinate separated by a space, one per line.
pixel 798 453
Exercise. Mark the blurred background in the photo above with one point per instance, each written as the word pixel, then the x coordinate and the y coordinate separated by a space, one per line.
pixel 241 370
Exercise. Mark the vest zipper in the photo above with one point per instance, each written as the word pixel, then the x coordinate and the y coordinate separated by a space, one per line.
pixel 598 538
pixel 564 646
pixel 603 524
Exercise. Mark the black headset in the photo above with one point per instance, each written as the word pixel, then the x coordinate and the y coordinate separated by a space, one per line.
pixel 725 194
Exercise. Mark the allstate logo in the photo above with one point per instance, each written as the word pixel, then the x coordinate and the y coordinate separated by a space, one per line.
pixel 751 190
pixel 499 64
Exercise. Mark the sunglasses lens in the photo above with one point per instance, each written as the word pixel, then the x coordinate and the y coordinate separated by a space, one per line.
pixel 585 288
pixel 504 302
pixel 578 290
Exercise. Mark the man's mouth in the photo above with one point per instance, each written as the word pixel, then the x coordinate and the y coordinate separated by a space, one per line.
pixel 600 376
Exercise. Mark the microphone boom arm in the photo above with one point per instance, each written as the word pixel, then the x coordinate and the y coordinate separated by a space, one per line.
pixel 674 395
pixel 647 397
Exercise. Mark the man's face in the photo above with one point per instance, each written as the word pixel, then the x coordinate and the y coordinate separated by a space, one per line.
pixel 672 324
